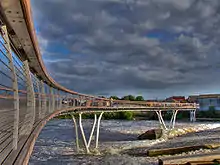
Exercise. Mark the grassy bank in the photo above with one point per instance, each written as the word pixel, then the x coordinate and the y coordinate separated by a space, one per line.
pixel 106 116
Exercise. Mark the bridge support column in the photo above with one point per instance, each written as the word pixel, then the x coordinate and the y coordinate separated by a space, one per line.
pixel 160 117
pixel 192 115
pixel 97 131
pixel 83 134
pixel 76 132
pixel 173 119
pixel 93 128
pixel 86 143
pixel 14 86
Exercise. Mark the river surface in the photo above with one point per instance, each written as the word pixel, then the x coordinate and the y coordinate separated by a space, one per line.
pixel 56 143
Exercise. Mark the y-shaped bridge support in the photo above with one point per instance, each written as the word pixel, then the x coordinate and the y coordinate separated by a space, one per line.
pixel 85 142
pixel 172 120
pixel 193 116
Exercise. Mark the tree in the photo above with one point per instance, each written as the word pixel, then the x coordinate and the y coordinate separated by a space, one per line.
pixel 114 97
pixel 139 98
pixel 212 108
pixel 128 97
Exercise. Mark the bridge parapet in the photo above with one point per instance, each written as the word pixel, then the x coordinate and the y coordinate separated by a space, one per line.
pixel 157 104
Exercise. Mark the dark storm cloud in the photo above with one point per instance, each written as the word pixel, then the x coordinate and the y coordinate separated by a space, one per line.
pixel 128 45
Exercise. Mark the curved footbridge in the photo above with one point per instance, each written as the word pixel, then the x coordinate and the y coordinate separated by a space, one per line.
pixel 29 97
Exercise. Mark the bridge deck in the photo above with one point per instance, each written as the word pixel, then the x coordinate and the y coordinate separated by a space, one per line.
pixel 133 109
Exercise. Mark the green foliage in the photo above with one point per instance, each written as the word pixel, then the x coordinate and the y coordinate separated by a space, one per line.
pixel 139 98
pixel 106 116
pixel 119 115
pixel 126 115
pixel 212 108
pixel 128 97
pixel 110 115
pixel 63 117
pixel 88 115
pixel 115 97
pixel 211 113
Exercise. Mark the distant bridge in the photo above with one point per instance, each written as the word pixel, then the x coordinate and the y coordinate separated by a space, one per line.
pixel 29 97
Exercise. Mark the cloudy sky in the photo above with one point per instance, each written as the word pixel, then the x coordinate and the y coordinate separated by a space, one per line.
pixel 154 48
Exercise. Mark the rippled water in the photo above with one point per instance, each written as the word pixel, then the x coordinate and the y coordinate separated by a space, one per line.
pixel 56 144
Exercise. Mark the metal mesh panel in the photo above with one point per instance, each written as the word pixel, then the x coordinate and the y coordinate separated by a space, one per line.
pixel 6 102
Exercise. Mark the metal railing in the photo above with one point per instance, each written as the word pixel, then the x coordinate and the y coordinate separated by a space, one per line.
pixel 24 98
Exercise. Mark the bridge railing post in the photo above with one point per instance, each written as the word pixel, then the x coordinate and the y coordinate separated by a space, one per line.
pixel 43 99
pixel 14 85
pixel 30 113
pixel 52 99
pixel 38 110
pixel 50 93
pixel 58 99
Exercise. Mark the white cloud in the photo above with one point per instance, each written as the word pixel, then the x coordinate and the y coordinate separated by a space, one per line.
pixel 109 43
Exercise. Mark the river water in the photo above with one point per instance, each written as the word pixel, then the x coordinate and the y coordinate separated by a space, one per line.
pixel 55 144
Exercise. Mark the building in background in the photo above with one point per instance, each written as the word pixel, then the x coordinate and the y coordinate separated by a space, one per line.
pixel 180 99
pixel 206 102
